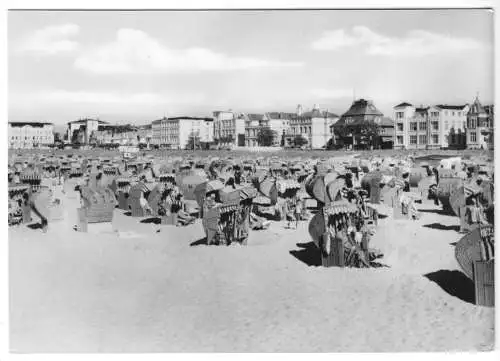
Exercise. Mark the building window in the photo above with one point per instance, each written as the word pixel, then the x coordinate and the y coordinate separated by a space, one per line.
pixel 413 126
pixel 423 126
pixel 413 139
pixel 422 139
pixel 400 115
pixel 446 125
pixel 435 114
pixel 453 113
pixel 399 139
pixel 473 137
pixel 435 139
pixel 400 127
pixel 435 125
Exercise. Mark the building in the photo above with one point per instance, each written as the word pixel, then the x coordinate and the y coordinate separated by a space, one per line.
pixel 229 128
pixel 314 126
pixel 156 132
pixel 278 122
pixel 431 127
pixel 364 112
pixel 253 123
pixel 479 126
pixel 28 135
pixel 176 132
pixel 80 131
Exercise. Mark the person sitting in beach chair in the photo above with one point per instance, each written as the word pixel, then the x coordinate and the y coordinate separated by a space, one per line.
pixel 145 205
pixel 183 217
pixel 258 223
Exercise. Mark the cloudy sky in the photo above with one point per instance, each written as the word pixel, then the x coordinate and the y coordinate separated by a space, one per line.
pixel 138 66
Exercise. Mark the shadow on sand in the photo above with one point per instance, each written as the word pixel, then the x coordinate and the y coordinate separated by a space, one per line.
pixel 309 254
pixel 455 283
pixel 442 227
pixel 154 220
pixel 200 242
pixel 441 212
pixel 35 226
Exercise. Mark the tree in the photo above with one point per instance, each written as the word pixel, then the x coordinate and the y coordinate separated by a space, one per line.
pixel 74 137
pixel 299 141
pixel 266 136
pixel 366 132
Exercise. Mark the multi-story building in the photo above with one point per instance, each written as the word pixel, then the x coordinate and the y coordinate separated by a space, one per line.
pixel 28 135
pixel 432 127
pixel 364 111
pixel 253 123
pixel 278 122
pixel 81 130
pixel 175 133
pixel 314 126
pixel 156 132
pixel 229 128
pixel 479 127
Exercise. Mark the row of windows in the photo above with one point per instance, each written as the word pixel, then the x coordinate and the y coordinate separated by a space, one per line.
pixel 421 139
pixel 400 115
pixel 34 137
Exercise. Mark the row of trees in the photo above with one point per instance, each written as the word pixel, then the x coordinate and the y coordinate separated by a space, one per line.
pixel 367 134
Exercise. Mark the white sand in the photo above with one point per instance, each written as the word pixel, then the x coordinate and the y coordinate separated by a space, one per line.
pixel 141 291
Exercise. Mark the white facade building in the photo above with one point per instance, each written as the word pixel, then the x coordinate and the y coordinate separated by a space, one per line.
pixel 85 128
pixel 28 135
pixel 229 125
pixel 175 133
pixel 434 127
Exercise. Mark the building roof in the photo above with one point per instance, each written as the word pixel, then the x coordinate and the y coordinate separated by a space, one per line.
pixel 451 107
pixel 386 122
pixel 477 107
pixel 403 105
pixel 87 119
pixel 206 119
pixel 258 117
pixel 362 107
pixel 32 124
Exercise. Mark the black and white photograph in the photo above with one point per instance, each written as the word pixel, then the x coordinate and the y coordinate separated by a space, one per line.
pixel 250 180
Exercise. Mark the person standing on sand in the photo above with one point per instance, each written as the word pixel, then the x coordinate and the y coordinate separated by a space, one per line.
pixel 297 212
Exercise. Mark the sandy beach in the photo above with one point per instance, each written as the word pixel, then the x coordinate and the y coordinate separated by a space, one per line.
pixel 133 289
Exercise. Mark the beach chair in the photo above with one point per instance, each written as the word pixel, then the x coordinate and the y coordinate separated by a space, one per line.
pixel 98 206
pixel 475 253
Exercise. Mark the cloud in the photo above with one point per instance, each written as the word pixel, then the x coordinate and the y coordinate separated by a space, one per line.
pixel 415 43
pixel 134 51
pixel 331 93
pixel 111 98
pixel 52 40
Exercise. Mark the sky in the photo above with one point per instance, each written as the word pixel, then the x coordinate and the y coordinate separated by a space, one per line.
pixel 140 66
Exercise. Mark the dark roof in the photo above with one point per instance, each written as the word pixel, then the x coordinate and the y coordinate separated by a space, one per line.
pixel 86 119
pixel 404 104
pixel 316 114
pixel 386 122
pixel 207 119
pixel 362 107
pixel 33 124
pixel 256 116
pixel 451 107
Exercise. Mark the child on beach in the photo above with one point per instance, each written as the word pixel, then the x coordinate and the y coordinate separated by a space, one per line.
pixel 298 212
